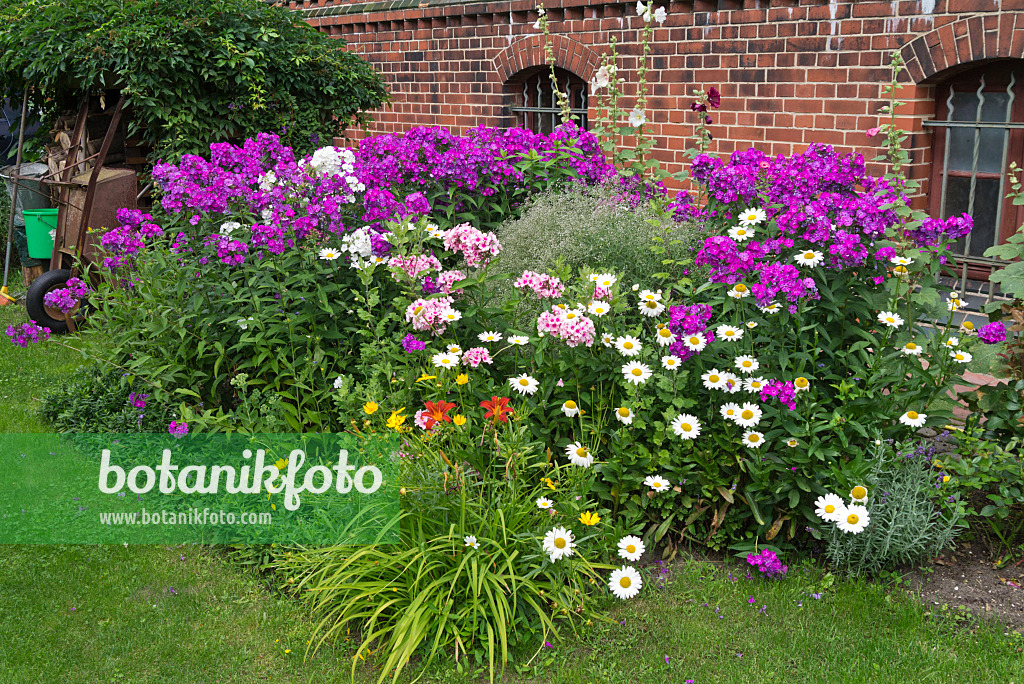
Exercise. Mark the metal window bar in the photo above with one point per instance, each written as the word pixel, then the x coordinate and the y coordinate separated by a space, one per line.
pixel 977 125
pixel 553 110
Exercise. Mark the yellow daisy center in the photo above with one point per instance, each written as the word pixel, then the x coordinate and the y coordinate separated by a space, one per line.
pixel 624 412
pixel 524 382
pixel 801 382
pixel 685 427
pixel 651 305
pixel 713 378
pixel 911 345
pixel 630 548
pixel 446 360
pixel 755 385
pixel 730 333
pixel 746 364
pixel 912 415
pixel 637 372
pixel 581 452
pixel 417 311
pixel 968 325
pixel 559 543
pixel 747 415
pixel 627 345
pixel 852 519
pixel 694 341
pixel 859 492
pixel 959 357
pixel 665 332
pixel 740 287
pixel 890 319
pixel 741 232
pixel 570 404
pixel 625 583
pixel 830 508
pixel 753 439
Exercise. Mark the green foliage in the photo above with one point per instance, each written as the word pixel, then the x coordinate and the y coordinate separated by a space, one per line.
pixel 910 519
pixel 194 73
pixel 1011 276
pixel 96 399
pixel 591 228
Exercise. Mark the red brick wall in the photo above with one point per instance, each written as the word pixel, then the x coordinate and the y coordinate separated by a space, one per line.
pixel 791 72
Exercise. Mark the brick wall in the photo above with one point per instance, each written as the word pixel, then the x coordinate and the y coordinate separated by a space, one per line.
pixel 791 72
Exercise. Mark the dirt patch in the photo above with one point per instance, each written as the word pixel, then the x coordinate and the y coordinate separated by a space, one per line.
pixel 967 578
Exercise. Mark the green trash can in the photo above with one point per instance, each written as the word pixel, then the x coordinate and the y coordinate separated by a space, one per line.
pixel 40 228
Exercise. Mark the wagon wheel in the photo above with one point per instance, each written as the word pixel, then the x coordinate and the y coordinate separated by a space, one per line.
pixel 34 301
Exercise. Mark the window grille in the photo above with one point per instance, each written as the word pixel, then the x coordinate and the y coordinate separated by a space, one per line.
pixel 536 107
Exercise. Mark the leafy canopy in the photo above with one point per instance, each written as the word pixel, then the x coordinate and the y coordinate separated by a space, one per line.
pixel 193 72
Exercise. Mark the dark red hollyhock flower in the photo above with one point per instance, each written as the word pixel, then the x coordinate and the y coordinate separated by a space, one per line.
pixel 698 107
pixel 714 97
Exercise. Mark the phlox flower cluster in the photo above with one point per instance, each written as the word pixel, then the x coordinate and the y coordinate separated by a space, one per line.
pixel 27 333
pixel 543 285
pixel 64 299
pixel 476 356
pixel 689 320
pixel 128 238
pixel 476 246
pixel 768 562
pixel 430 314
pixel 568 325
pixel 993 333
pixel 414 266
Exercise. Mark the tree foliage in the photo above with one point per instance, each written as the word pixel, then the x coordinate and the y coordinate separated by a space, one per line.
pixel 193 72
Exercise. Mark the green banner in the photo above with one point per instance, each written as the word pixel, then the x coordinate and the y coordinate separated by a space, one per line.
pixel 315 489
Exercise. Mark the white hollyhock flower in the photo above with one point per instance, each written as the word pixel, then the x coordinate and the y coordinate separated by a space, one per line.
pixel 637 118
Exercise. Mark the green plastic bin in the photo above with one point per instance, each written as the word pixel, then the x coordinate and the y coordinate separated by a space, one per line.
pixel 40 225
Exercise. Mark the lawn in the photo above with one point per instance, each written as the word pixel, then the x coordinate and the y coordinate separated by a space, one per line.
pixel 187 614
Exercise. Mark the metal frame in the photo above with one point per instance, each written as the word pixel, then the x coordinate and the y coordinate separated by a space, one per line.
pixel 554 111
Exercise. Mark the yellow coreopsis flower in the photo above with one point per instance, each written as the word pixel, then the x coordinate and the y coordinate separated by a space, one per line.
pixel 548 482
pixel 396 419
pixel 425 377
pixel 370 407
pixel 461 379
pixel 281 463
pixel 459 419
pixel 588 518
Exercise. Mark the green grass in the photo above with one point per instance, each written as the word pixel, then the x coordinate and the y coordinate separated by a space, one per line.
pixel 91 614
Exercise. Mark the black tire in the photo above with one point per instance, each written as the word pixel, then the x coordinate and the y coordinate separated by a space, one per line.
pixel 37 311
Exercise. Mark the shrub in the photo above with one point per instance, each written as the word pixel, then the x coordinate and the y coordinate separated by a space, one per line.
pixel 194 73
pixel 912 515
pixel 97 399
pixel 591 227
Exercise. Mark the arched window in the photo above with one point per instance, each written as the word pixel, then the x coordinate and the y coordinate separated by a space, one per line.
pixel 535 106
pixel 979 130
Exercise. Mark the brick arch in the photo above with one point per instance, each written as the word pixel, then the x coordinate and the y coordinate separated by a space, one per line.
pixel 957 45
pixel 524 53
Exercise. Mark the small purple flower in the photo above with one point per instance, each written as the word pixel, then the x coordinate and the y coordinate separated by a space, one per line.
pixel 410 344
pixel 547 644
pixel 178 430
pixel 29 333
pixel 137 400
pixel 768 563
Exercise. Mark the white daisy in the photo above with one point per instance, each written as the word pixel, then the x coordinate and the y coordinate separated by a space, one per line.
pixel 665 337
pixel 772 308
pixel 544 503
pixel 752 216
pixel 445 360
pixel 650 296
pixel 890 319
pixel 628 345
pixel 749 416
pixel 328 254
pixel 732 383
pixel 686 426
pixel 911 349
pixel 952 342
pixel 518 340
pixel 624 415
pixel 914 419
pixel 671 362
pixel 746 364
pixel 801 384
pixel 854 520
pixel 727 332
pixel 605 280
pixel 730 411
pixel 961 356
pixel 954 303
pixel 811 258
pixel 524 384
pixel 859 494
pixel 636 372
pixel 631 548
pixel 625 582
pixel 489 336
pixel 739 291
pixel 651 309
pixel 830 507
pixel 579 455
pixel 471 541
pixel 656 482
pixel 753 439
pixel 451 315
pixel 900 261
pixel 598 308
pixel 741 233
pixel 754 385
pixel 607 340
pixel 695 342
pixel 455 349
pixel 792 443
pixel 570 409
pixel 967 328
pixel 751 325
pixel 713 379
pixel 558 544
